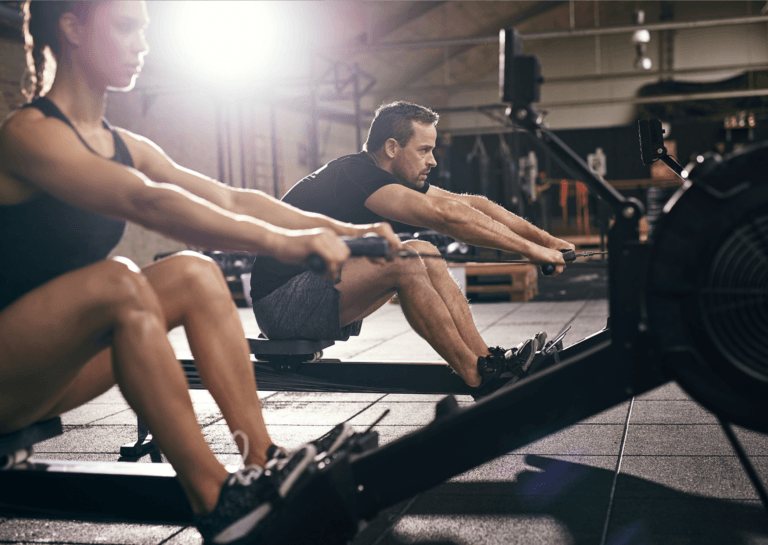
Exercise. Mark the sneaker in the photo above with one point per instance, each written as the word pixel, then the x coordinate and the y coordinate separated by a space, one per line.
pixel 518 360
pixel 331 441
pixel 273 451
pixel 285 471
pixel 490 369
pixel 248 498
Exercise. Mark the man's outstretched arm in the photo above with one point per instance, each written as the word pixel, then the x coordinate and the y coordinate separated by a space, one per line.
pixel 459 220
pixel 517 224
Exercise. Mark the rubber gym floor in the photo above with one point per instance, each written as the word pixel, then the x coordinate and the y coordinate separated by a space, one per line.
pixel 656 469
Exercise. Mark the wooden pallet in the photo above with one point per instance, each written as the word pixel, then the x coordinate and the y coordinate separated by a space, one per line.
pixel 586 243
pixel 522 285
pixel 583 243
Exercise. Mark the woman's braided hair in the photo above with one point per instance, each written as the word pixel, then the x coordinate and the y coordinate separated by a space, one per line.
pixel 41 39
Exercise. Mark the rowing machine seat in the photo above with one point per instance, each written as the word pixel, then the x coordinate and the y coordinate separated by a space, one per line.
pixel 287 352
pixel 17 446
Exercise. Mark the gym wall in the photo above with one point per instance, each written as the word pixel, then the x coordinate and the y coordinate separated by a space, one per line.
pixel 11 73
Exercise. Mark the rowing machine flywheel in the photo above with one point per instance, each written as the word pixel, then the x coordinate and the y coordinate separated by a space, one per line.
pixel 707 290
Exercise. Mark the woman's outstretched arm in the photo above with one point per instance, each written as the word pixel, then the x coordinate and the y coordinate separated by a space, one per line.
pixel 45 154
pixel 152 161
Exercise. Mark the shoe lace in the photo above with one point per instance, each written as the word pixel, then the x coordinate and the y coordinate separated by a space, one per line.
pixel 245 476
pixel 246 445
pixel 249 473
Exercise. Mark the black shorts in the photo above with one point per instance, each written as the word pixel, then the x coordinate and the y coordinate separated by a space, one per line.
pixel 305 307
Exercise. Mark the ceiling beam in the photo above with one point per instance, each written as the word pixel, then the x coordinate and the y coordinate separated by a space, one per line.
pixel 548 35
pixel 436 60
pixel 390 24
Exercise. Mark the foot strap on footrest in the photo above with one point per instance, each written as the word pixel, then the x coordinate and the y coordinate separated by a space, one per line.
pixel 513 366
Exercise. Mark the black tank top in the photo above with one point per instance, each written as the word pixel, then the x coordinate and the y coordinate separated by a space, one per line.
pixel 45 237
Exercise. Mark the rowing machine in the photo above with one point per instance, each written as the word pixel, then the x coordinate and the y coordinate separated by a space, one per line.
pixel 688 306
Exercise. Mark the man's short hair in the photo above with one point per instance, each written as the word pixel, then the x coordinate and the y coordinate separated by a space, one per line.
pixel 394 121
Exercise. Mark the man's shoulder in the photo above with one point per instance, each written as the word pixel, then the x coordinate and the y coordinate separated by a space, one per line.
pixel 358 168
pixel 355 160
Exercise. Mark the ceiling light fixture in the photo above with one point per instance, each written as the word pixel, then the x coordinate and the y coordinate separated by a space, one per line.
pixel 640 38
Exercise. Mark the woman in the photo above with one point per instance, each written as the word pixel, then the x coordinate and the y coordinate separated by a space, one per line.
pixel 73 323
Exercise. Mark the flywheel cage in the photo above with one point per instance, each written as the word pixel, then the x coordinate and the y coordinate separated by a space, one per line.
pixel 734 299
pixel 706 292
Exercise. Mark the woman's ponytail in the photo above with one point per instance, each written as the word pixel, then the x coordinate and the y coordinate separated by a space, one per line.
pixel 41 40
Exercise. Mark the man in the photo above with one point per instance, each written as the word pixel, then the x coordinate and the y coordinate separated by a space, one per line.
pixel 387 181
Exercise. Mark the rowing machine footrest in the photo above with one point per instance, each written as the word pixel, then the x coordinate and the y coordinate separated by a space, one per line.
pixel 323 510
pixel 542 361
pixel 15 445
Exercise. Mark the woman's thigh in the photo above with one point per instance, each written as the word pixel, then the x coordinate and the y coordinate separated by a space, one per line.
pixel 48 336
pixel 177 283
pixel 74 365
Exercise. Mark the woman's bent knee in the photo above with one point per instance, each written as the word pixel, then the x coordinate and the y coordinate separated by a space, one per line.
pixel 123 287
pixel 199 275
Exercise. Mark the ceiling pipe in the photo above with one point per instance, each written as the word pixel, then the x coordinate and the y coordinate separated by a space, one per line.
pixel 629 29
pixel 624 100
pixel 656 99
pixel 601 31
pixel 659 73
pixel 485 85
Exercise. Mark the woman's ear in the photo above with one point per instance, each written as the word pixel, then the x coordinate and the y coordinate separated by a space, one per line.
pixel 69 27
pixel 390 147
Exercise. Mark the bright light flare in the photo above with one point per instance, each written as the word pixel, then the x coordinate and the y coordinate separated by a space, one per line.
pixel 643 63
pixel 641 37
pixel 236 43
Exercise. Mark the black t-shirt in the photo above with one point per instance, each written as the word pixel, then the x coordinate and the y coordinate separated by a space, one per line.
pixel 338 190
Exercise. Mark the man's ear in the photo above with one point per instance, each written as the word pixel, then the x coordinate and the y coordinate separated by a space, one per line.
pixel 390 147
pixel 69 27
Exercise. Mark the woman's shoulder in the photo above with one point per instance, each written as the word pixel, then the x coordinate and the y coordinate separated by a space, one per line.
pixel 18 119
pixel 16 124
pixel 22 125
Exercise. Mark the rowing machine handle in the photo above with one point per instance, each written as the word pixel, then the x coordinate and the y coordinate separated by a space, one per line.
pixel 358 247
pixel 549 269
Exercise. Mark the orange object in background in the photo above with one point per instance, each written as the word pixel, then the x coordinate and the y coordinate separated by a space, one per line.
pixel 582 209
pixel 564 201
pixel 582 206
